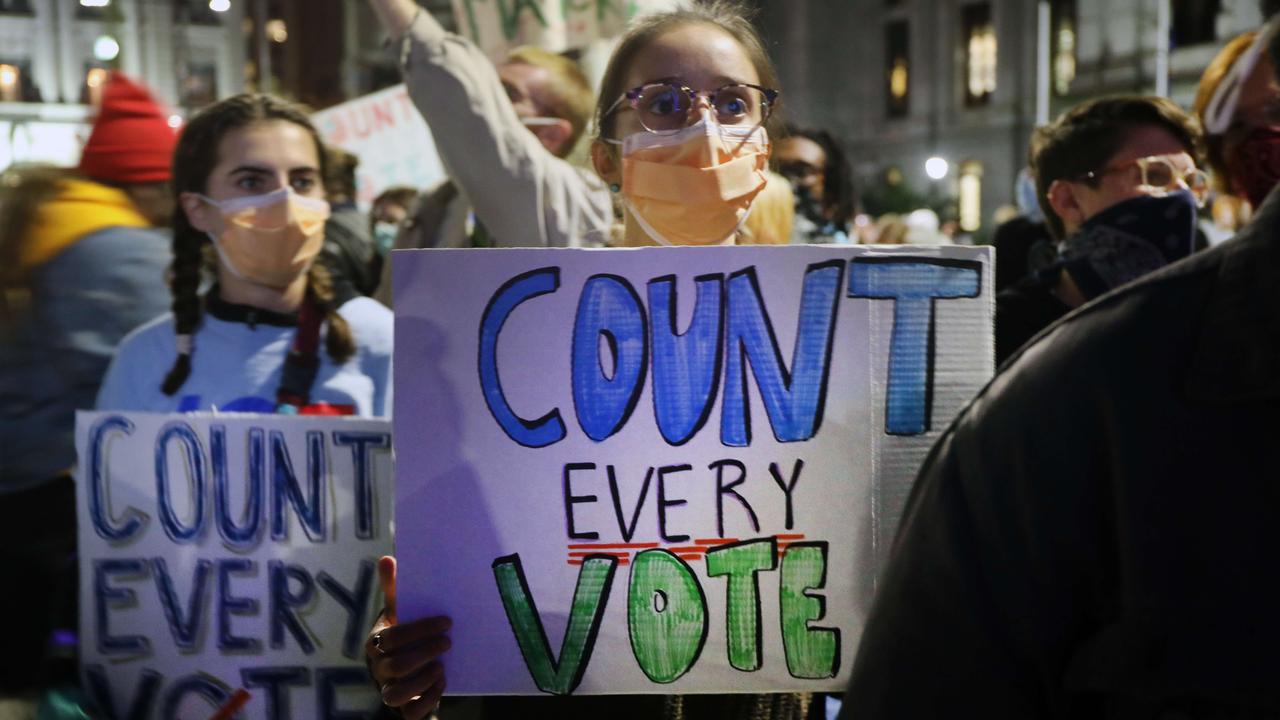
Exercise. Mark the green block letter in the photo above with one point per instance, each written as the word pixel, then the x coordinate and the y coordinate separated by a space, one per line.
pixel 666 615
pixel 812 653
pixel 741 562
pixel 558 677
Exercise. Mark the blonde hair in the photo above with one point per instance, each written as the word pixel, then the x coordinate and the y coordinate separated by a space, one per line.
pixel 568 91
pixel 1209 81
pixel 772 214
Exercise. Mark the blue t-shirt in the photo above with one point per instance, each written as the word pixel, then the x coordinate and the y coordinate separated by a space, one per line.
pixel 236 366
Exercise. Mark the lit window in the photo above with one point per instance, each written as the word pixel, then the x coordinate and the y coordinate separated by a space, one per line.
pixel 277 31
pixel 897 69
pixel 980 54
pixel 1063 45
pixel 970 196
pixel 10 84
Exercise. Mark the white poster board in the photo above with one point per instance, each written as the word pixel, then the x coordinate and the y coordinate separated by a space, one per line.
pixel 497 26
pixel 389 136
pixel 226 552
pixel 668 470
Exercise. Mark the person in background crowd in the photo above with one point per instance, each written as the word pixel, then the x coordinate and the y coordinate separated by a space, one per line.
pixel 503 136
pixel 1235 102
pixel 389 210
pixel 891 229
pixel 923 228
pixel 268 335
pixel 815 163
pixel 1089 538
pixel 1023 244
pixel 682 123
pixel 349 252
pixel 1119 188
pixel 82 263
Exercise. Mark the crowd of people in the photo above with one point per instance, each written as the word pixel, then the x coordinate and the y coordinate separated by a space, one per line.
pixel 1086 540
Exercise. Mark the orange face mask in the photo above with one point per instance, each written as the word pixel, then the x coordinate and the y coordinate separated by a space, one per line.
pixel 270 239
pixel 695 186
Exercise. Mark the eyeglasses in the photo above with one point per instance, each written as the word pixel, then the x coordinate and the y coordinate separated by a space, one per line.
pixel 1159 176
pixel 664 108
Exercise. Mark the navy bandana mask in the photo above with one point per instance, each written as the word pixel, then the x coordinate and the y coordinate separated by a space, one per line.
pixel 1129 240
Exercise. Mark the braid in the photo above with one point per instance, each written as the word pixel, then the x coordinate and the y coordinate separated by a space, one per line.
pixel 338 341
pixel 184 285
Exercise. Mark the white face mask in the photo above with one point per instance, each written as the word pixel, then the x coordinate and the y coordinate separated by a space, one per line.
pixel 384 236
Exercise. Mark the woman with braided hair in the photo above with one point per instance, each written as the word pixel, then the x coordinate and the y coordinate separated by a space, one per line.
pixel 250 215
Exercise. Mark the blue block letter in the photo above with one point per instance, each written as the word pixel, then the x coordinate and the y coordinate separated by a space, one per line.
pixel 794 400
pixel 686 367
pixel 914 284
pixel 99 498
pixel 604 397
pixel 549 428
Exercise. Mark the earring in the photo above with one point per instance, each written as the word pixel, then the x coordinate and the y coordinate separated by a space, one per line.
pixel 615 187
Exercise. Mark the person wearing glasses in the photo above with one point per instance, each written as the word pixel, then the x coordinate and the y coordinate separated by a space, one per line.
pixel 683 143
pixel 1118 182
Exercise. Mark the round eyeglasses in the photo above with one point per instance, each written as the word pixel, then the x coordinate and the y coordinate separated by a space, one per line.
pixel 665 108
pixel 1160 175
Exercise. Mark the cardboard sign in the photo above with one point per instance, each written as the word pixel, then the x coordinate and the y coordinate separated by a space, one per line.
pixel 389 136
pixel 497 26
pixel 220 552
pixel 668 470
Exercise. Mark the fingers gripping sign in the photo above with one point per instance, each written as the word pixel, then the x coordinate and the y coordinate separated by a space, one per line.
pixel 404 659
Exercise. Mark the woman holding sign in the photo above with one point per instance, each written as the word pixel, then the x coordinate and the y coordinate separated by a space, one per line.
pixel 248 173
pixel 682 118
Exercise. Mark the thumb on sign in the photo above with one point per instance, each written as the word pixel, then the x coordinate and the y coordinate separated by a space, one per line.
pixel 403 659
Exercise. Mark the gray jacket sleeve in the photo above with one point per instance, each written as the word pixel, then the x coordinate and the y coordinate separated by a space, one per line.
pixel 524 195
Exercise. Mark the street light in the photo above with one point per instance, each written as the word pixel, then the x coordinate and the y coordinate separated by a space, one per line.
pixel 936 168
pixel 219 5
pixel 105 48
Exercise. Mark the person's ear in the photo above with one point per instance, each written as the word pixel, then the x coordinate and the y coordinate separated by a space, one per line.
pixel 199 213
pixel 604 158
pixel 555 136
pixel 1065 203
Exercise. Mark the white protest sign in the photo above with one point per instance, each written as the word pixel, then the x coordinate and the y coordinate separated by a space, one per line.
pixel 668 470
pixel 389 136
pixel 220 552
pixel 497 26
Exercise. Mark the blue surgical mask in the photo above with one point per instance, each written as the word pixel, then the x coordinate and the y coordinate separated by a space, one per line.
pixel 384 236
pixel 1128 240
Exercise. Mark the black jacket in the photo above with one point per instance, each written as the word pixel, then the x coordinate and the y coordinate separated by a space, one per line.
pixel 1097 534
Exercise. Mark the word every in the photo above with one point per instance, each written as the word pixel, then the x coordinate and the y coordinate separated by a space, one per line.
pixel 730 329
pixel 667 612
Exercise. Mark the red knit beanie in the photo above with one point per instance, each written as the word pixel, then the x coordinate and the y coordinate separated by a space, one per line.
pixel 131 140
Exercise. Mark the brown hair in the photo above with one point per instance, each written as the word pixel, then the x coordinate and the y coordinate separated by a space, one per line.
pixel 1087 136
pixel 1209 82
pixel 569 93
pixel 193 160
pixel 731 17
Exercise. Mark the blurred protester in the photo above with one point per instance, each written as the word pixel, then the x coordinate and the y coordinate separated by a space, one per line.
pixel 1089 538
pixel 1236 104
pixel 1119 188
pixel 388 212
pixel 773 214
pixel 349 252
pixel 502 135
pixel 815 163
pixel 81 264
pixel 268 335
pixel 1023 244
pixel 891 229
pixel 923 228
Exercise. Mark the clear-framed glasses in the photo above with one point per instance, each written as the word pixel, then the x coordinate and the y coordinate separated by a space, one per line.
pixel 665 108
pixel 1159 175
